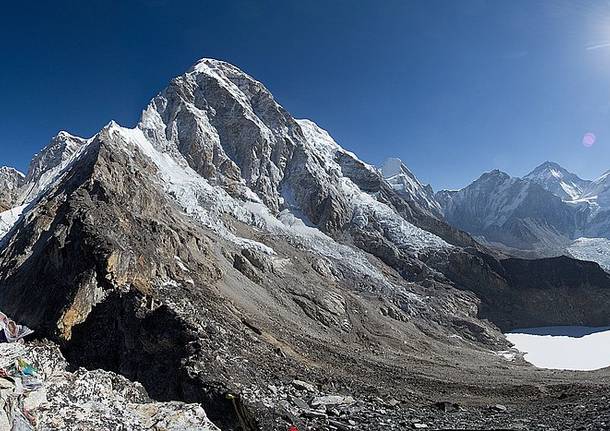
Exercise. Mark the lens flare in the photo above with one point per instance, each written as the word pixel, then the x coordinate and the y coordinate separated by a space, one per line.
pixel 588 140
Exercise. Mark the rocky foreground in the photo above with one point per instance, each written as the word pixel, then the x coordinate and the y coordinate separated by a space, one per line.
pixel 83 400
pixel 102 400
pixel 235 261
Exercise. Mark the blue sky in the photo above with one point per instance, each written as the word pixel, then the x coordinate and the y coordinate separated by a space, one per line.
pixel 454 88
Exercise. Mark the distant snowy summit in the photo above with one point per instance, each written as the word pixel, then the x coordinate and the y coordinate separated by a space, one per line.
pixel 559 181
pixel 408 186
pixel 570 187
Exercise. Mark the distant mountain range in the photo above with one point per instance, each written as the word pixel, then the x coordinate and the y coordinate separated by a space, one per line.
pixel 548 212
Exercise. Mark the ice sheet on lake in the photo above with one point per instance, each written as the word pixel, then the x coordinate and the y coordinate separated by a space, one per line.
pixel 564 347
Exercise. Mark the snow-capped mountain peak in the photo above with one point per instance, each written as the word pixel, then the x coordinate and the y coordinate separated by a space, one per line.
pixel 10 182
pixel 10 178
pixel 60 149
pixel 548 165
pixel 495 175
pixel 408 186
pixel 46 166
pixel 6 171
pixel 226 126
pixel 543 213
pixel 598 191
pixel 515 212
pixel 559 181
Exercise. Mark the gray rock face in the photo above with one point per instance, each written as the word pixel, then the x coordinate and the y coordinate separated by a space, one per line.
pixel 585 282
pixel 48 163
pixel 598 225
pixel 11 181
pixel 226 126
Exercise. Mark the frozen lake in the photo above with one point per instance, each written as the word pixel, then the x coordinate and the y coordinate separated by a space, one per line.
pixel 564 347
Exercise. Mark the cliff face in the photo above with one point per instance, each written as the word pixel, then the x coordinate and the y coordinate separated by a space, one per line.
pixel 523 293
pixel 554 292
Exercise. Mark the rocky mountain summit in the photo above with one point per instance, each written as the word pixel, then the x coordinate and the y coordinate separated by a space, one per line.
pixel 226 255
pixel 408 186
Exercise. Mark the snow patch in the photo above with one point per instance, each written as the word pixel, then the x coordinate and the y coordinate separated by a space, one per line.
pixel 307 237
pixel 399 231
pixel 9 218
pixel 181 264
pixel 508 355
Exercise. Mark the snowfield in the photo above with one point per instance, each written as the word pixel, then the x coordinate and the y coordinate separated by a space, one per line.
pixel 9 218
pixel 564 347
